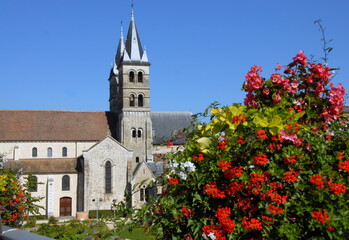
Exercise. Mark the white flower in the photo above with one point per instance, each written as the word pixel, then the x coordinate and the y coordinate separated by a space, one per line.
pixel 212 236
pixel 173 165
pixel 182 176
pixel 188 166
pixel 251 166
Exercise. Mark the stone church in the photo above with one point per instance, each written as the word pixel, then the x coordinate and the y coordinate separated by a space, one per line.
pixel 85 160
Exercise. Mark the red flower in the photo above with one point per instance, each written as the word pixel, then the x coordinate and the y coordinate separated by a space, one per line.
pixel 267 220
pixel 255 177
pixel 212 190
pixel 169 144
pixel 290 159
pixel 320 216
pixel 261 134
pixel 233 172
pixel 224 165
pixel 337 188
pixel 172 181
pixel 274 209
pixel 225 222
pixel 234 187
pixel 216 230
pixel 274 146
pixel 252 223
pixel 261 159
pixel 275 197
pixel 239 119
pixel 291 176
pixel 344 165
pixel 187 212
pixel 331 229
pixel 199 157
pixel 222 144
pixel 340 156
pixel 318 180
pixel 241 140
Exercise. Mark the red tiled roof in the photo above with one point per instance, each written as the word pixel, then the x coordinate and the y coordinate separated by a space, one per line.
pixel 31 125
pixel 47 165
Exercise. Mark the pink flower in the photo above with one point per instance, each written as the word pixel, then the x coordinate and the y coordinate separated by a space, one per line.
pixel 279 67
pixel 277 99
pixel 319 88
pixel 321 72
pixel 253 79
pixel 300 58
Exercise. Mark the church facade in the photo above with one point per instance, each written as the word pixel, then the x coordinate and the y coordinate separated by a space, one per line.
pixel 85 160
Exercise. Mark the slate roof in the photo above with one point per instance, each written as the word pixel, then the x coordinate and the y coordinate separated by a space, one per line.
pixel 44 165
pixel 156 167
pixel 29 125
pixel 167 124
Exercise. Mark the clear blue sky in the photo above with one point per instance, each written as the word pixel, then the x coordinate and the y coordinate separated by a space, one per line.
pixel 56 54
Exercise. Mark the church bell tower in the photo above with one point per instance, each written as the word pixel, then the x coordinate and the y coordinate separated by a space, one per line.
pixel 130 96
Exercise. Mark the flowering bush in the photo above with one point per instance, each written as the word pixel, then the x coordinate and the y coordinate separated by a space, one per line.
pixel 15 201
pixel 276 168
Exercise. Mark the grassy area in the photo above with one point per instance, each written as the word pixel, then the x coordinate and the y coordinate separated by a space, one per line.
pixel 135 234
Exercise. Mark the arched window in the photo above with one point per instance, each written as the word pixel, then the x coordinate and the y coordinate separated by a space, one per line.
pixel 139 133
pixel 34 152
pixel 140 77
pixel 131 76
pixel 49 152
pixel 140 100
pixel 108 177
pixel 132 100
pixel 65 183
pixel 33 183
pixel 137 159
pixel 134 134
pixel 64 152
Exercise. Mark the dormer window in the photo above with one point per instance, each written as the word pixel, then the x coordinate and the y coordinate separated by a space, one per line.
pixel 140 77
pixel 131 76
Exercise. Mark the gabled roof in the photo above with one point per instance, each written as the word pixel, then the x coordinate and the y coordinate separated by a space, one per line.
pixel 105 139
pixel 168 124
pixel 156 168
pixel 32 125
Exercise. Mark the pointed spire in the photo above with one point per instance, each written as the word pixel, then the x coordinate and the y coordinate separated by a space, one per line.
pixel 133 43
pixel 121 47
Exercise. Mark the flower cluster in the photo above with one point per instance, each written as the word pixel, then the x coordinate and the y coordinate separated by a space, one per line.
pixel 274 168
pixel 321 216
pixel 212 190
